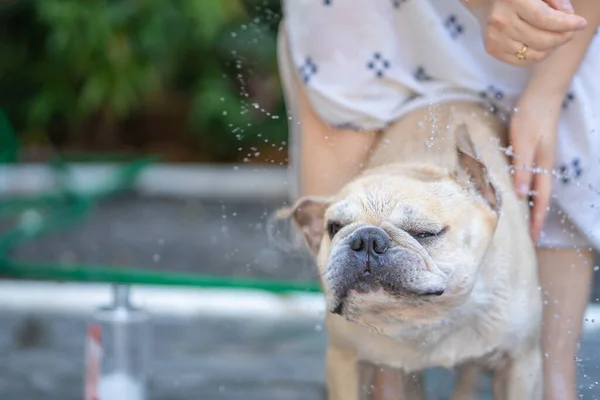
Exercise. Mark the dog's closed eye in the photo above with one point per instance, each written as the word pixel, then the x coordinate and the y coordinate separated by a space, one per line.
pixel 333 227
pixel 422 235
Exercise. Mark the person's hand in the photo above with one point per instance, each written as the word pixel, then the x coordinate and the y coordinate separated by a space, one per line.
pixel 533 130
pixel 532 28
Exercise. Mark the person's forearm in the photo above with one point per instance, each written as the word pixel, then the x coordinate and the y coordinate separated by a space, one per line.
pixel 553 76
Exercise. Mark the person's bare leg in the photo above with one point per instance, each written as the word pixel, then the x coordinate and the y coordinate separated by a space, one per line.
pixel 328 157
pixel 565 277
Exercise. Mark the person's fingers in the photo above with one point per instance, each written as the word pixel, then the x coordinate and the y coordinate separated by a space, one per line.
pixel 543 16
pixel 522 179
pixel 542 185
pixel 542 191
pixel 538 39
pixel 509 27
pixel 561 5
pixel 506 49
pixel 522 159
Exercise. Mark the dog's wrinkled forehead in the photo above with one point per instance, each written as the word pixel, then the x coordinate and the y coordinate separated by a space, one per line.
pixel 371 199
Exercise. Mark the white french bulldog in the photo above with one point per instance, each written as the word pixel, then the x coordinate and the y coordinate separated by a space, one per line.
pixel 425 260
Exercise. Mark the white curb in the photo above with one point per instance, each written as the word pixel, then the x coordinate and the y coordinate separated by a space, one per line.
pixel 83 299
pixel 77 298
pixel 233 181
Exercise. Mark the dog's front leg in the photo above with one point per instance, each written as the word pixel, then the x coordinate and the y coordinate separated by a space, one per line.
pixel 384 383
pixel 524 376
pixel 467 382
pixel 499 383
pixel 342 373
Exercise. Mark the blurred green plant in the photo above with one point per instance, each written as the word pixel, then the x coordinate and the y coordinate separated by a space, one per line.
pixel 66 62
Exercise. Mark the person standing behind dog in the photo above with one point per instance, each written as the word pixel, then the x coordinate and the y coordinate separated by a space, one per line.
pixel 349 69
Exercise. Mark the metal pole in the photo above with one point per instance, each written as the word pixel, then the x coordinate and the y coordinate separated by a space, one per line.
pixel 121 304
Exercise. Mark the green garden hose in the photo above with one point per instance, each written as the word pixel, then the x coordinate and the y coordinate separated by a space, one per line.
pixel 89 273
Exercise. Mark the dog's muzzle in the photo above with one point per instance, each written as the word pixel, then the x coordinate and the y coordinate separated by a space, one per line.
pixel 368 260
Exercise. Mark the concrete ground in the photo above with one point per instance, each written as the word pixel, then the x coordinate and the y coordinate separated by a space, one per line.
pixel 41 353
pixel 41 357
pixel 179 235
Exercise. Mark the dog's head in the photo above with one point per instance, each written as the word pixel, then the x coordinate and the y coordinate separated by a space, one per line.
pixel 402 236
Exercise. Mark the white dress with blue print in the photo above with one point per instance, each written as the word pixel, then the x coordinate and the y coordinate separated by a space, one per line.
pixel 365 63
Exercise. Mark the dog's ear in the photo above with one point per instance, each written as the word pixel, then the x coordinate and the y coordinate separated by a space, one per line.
pixel 308 213
pixel 477 173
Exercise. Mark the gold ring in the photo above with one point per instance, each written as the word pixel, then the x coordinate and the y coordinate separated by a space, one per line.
pixel 521 53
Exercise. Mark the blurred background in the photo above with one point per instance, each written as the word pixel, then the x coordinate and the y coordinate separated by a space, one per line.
pixel 145 143
pixel 188 80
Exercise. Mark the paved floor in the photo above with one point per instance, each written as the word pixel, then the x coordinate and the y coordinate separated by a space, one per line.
pixel 41 357
pixel 191 235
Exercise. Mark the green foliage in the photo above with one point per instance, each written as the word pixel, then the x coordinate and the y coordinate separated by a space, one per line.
pixel 79 59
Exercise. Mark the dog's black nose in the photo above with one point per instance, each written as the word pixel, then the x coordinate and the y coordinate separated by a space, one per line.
pixel 370 241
